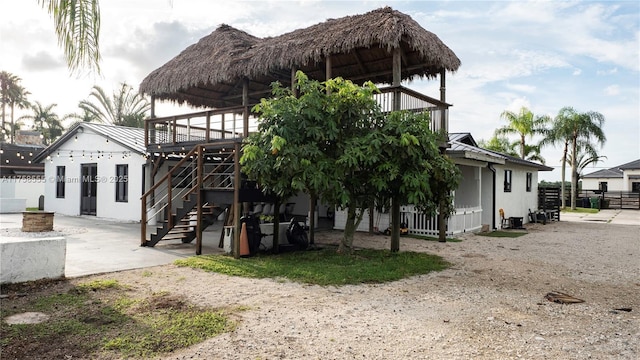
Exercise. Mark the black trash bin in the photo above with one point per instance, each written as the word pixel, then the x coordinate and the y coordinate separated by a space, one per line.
pixel 516 222
pixel 585 203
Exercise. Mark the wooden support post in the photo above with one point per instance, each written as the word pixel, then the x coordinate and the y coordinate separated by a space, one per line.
pixel 207 135
pixel 276 226
pixel 313 200
pixel 395 205
pixel 395 229
pixel 169 204
pixel 294 82
pixel 199 175
pixel 236 202
pixel 371 224
pixel 443 98
pixel 245 104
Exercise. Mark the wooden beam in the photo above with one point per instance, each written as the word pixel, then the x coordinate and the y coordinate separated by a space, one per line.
pixel 245 110
pixel 236 202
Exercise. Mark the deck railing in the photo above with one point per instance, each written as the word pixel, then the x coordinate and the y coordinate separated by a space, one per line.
pixel 228 123
pixel 199 127
pixel 465 219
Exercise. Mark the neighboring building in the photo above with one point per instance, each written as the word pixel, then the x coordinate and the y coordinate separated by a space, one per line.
pixel 625 177
pixel 490 181
pixel 22 179
pixel 95 169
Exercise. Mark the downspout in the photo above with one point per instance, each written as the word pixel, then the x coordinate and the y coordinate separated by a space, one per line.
pixel 493 195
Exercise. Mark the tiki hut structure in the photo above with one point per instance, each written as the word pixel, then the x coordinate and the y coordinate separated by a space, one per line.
pixel 230 70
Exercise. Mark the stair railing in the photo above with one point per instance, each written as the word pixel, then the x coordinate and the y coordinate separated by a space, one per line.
pixel 169 192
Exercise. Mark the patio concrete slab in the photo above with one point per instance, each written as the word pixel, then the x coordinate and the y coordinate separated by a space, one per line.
pixel 610 216
pixel 96 245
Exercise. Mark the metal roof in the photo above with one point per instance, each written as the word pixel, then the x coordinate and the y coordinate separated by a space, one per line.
pixel 465 143
pixel 128 137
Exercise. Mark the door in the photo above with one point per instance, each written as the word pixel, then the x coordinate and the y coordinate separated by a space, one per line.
pixel 89 189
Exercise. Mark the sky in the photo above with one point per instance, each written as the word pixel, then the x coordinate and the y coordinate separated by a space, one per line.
pixel 544 55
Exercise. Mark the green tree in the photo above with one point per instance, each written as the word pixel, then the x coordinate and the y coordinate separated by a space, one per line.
pixel 299 137
pixel 586 157
pixel 524 124
pixel 500 144
pixel 405 165
pixel 46 121
pixel 575 131
pixel 125 107
pixel 12 94
pixel 77 26
pixel 83 116
pixel 332 141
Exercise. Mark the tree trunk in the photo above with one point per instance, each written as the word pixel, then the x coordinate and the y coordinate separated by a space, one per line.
pixel 564 167
pixel 395 225
pixel 522 142
pixel 353 221
pixel 574 180
pixel 442 224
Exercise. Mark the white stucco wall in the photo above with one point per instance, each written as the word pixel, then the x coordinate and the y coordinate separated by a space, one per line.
pixel 28 259
pixel 626 181
pixel 111 155
pixel 27 189
pixel 613 184
pixel 517 202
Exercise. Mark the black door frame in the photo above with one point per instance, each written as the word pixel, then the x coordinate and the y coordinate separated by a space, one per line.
pixel 88 188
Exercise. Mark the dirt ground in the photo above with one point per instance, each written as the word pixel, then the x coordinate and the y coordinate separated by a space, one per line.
pixel 489 305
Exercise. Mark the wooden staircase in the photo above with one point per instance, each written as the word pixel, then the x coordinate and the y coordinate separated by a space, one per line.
pixel 190 196
pixel 184 222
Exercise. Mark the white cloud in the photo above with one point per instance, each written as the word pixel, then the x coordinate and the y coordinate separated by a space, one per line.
pixel 612 90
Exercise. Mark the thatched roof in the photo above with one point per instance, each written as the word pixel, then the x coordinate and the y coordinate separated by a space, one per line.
pixel 210 73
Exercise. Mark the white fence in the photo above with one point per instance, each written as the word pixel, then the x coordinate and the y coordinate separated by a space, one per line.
pixel 464 220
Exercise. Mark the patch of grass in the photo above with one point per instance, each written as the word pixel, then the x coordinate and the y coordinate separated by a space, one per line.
pixel 104 319
pixel 323 267
pixel 580 210
pixel 96 285
pixel 504 234
pixel 432 238
pixel 32 209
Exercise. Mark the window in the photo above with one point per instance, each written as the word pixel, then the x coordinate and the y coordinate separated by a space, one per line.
pixel 529 181
pixel 122 182
pixel 603 186
pixel 635 186
pixel 507 181
pixel 60 170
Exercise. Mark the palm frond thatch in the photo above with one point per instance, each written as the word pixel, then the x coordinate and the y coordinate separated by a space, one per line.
pixel 360 46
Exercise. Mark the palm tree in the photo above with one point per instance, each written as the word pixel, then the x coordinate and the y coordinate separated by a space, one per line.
pixel 8 81
pixel 83 116
pixel 14 95
pixel 125 107
pixel 77 26
pixel 502 145
pixel 575 131
pixel 499 144
pixel 46 121
pixel 585 158
pixel 524 124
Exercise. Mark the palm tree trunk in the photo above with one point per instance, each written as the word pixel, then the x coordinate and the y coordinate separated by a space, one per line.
pixel 574 180
pixel 522 143
pixel 564 172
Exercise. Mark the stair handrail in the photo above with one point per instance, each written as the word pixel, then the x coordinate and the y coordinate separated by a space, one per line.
pixel 199 185
pixel 143 198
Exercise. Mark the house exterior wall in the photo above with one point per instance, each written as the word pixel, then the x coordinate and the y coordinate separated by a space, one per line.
pixel 487 197
pixel 613 184
pixel 70 155
pixel 518 201
pixel 627 181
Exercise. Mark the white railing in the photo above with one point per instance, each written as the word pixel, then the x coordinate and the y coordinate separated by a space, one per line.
pixel 465 219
